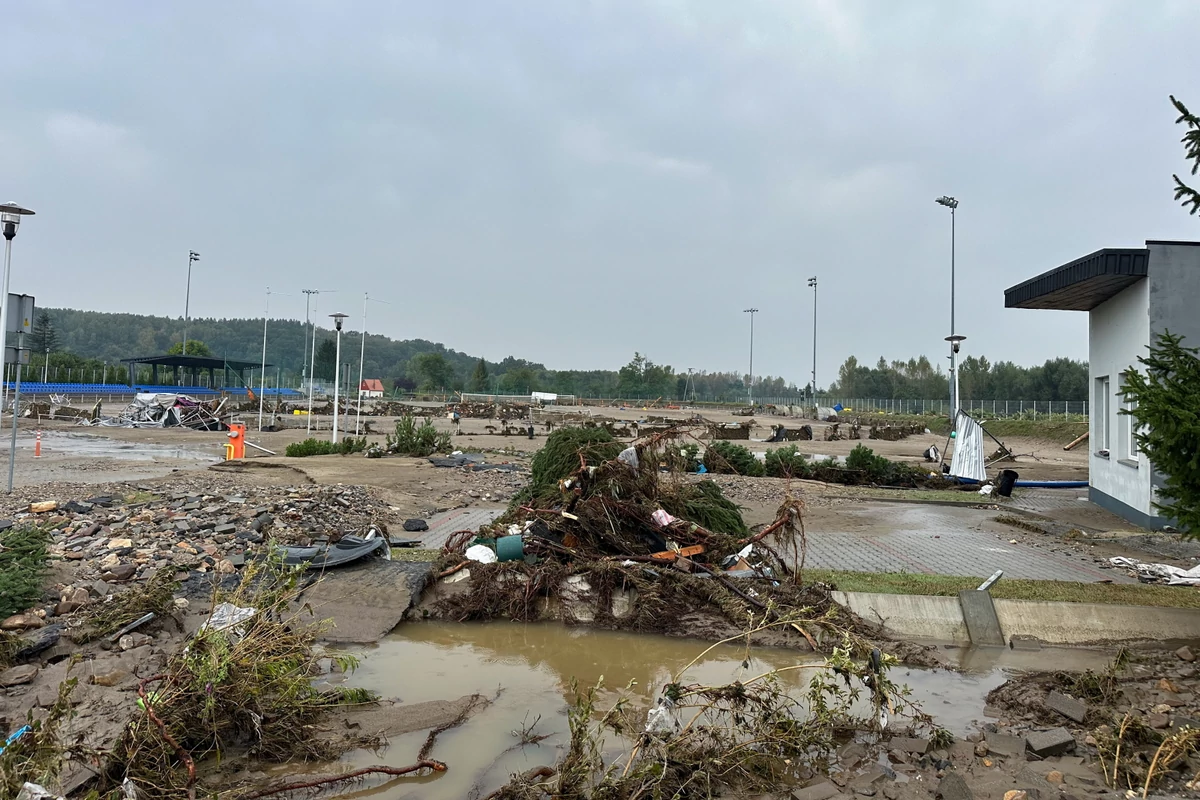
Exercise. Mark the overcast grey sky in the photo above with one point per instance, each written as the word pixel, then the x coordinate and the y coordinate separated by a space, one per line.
pixel 569 182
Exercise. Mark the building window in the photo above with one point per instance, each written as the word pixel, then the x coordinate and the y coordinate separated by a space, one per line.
pixel 1100 416
pixel 1128 426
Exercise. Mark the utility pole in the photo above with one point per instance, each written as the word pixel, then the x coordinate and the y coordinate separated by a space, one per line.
pixel 954 339
pixel 812 282
pixel 337 364
pixel 751 312
pixel 262 373
pixel 187 299
pixel 312 356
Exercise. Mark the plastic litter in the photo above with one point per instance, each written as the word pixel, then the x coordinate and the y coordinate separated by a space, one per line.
pixel 227 615
pixel 662 519
pixel 1172 576
pixel 14 736
pixel 987 489
pixel 629 456
pixel 31 791
pixel 661 720
pixel 481 553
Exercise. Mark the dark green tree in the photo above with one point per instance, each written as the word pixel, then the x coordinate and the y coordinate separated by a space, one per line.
pixel 479 378
pixel 1191 146
pixel 520 380
pixel 1165 401
pixel 326 360
pixel 195 347
pixel 431 371
pixel 44 338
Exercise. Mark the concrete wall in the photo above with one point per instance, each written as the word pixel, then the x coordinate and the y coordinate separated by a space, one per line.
pixel 1175 289
pixel 919 616
pixel 1119 330
pixel 940 618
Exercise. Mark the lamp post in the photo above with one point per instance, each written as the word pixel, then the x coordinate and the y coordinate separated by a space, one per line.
pixel 10 219
pixel 262 373
pixel 953 338
pixel 187 299
pixel 751 312
pixel 812 284
pixel 337 366
pixel 46 366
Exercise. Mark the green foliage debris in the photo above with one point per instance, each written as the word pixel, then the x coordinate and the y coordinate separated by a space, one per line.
pixel 22 568
pixel 727 458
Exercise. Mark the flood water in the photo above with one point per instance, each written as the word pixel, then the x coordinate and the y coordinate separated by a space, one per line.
pixel 82 445
pixel 532 667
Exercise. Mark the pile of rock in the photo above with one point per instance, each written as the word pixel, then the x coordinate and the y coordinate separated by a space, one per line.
pixel 113 539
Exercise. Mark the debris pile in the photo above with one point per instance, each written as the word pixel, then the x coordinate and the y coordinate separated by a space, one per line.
pixel 165 411
pixel 116 539
pixel 601 535
pixel 892 433
pixel 739 431
pixel 1139 716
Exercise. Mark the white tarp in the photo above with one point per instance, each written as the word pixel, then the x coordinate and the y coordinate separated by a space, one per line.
pixel 968 459
pixel 1175 576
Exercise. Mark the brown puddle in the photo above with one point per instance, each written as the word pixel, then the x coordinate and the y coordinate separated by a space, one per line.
pixel 533 666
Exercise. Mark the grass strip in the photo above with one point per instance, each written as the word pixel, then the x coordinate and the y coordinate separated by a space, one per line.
pixel 1133 594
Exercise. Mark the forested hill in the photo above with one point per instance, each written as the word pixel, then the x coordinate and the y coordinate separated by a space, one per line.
pixel 111 337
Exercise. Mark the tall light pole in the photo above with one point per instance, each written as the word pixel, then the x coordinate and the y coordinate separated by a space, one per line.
pixel 751 312
pixel 311 357
pixel 953 338
pixel 362 355
pixel 337 366
pixel 812 284
pixel 187 299
pixel 262 373
pixel 10 219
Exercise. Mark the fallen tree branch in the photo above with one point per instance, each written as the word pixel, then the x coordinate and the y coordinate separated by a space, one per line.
pixel 183 754
pixel 528 775
pixel 378 769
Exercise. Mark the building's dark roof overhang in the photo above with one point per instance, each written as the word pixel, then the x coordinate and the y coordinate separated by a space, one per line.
pixel 1084 283
pixel 200 362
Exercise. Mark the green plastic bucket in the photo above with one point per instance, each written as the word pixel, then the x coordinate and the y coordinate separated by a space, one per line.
pixel 510 548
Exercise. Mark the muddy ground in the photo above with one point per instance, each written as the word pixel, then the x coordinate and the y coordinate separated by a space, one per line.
pixel 77 463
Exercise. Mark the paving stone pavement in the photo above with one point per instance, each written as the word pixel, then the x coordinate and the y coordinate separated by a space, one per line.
pixel 459 519
pixel 937 541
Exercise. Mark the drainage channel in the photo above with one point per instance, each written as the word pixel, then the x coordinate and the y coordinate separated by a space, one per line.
pixel 532 667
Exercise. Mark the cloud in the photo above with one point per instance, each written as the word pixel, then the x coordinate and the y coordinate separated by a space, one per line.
pixel 95 145
pixel 592 144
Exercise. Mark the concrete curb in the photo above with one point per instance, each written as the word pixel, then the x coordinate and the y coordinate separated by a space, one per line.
pixel 931 617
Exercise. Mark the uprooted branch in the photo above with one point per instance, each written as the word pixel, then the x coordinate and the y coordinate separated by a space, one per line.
pixel 378 769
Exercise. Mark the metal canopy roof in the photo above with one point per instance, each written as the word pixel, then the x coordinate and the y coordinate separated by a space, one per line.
pixel 1084 283
pixel 199 362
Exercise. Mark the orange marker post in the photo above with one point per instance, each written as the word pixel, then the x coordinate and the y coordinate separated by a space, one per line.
pixel 37 445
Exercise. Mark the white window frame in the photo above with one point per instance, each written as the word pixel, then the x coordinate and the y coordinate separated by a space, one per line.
pixel 1102 402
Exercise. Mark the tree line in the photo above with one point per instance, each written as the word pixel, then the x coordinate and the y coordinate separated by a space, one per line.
pixel 85 340
pixel 978 379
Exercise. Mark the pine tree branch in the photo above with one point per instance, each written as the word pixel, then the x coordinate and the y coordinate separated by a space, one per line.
pixel 1191 146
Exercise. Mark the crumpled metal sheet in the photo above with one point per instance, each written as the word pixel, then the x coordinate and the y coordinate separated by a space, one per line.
pixel 968 460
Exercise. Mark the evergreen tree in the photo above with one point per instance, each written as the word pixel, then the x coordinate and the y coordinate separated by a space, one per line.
pixel 326 360
pixel 1191 146
pixel 1165 401
pixel 44 338
pixel 479 378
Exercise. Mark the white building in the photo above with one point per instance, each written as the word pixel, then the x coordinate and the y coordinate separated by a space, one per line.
pixel 370 387
pixel 1131 295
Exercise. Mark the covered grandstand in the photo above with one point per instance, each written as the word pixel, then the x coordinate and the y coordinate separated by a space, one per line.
pixel 168 375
